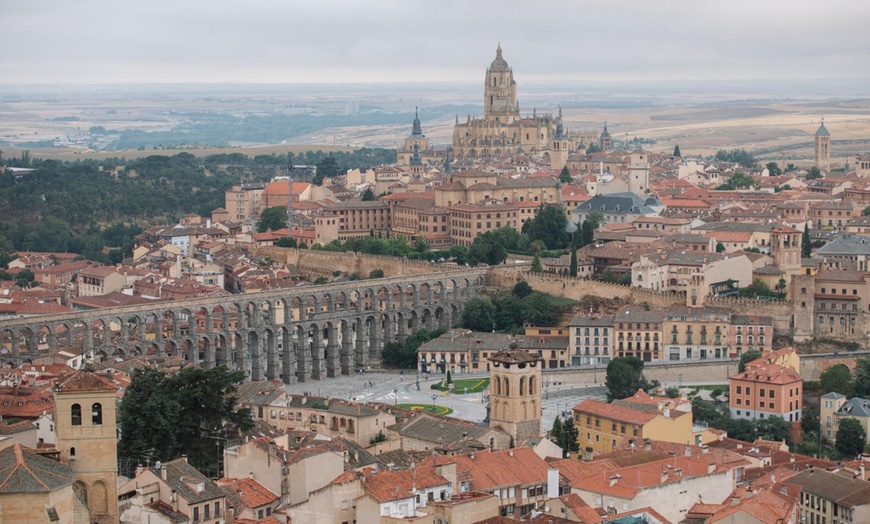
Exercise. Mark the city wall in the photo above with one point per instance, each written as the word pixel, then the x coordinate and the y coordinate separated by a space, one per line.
pixel 718 371
pixel 324 263
pixel 576 288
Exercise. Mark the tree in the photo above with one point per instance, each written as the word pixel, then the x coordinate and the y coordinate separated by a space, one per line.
pixel 677 152
pixel 806 243
pixel 596 218
pixel 747 356
pixel 368 195
pixel 536 265
pixel 809 419
pixel 720 247
pixel 573 268
pixel 565 176
pixel 851 437
pixel 327 168
pixel 175 415
pixel 522 289
pixel 837 379
pixel 558 434
pixel 479 314
pixel 772 428
pixel 862 377
pixel 587 233
pixel 814 173
pixel 539 309
pixel 486 249
pixel 286 242
pixel 449 378
pixel 376 273
pixel 571 434
pixel 548 226
pixel 592 149
pixel 625 377
pixel 738 180
pixel 780 286
pixel 273 218
pixel 773 168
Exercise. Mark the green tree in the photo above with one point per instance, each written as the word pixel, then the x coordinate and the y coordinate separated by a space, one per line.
pixel 539 309
pixel 740 156
pixel 810 419
pixel 286 242
pixel 175 415
pixel 851 438
pixel 677 152
pixel 522 289
pixel 573 268
pixel 147 417
pixel 596 218
pixel 571 433
pixel 587 233
pixel 772 428
pixel 376 273
pixel 449 378
pixel 486 249
pixel 773 168
pixel 479 314
pixel 565 176
pixel 327 168
pixel 837 379
pixel 720 247
pixel 368 195
pixel 862 377
pixel 548 226
pixel 738 180
pixel 592 149
pixel 814 173
pixel 558 434
pixel 625 377
pixel 536 265
pixel 273 218
pixel 747 356
pixel 806 243
pixel 780 286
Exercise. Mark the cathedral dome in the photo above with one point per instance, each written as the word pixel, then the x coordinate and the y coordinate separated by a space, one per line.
pixel 499 63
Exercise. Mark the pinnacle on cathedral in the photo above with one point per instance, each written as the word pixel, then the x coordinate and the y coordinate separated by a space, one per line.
pixel 416 128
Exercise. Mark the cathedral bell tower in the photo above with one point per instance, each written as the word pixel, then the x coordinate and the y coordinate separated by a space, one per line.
pixel 559 146
pixel 823 147
pixel 785 248
pixel 500 92
pixel 515 393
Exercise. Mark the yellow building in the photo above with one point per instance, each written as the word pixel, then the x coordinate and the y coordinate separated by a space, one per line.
pixel 87 437
pixel 697 333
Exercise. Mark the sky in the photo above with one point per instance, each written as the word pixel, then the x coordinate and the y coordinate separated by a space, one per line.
pixel 348 41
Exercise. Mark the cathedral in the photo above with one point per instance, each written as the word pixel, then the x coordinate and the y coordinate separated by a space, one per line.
pixel 502 130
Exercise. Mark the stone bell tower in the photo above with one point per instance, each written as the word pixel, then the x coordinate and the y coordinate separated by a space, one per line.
pixel 785 248
pixel 559 146
pixel 87 437
pixel 823 147
pixel 515 393
pixel 500 93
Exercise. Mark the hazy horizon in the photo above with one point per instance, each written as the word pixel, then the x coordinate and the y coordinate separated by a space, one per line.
pixel 343 42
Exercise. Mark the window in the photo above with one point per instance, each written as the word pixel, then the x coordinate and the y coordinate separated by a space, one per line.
pixel 217 509
pixel 97 414
pixel 196 514
pixel 72 452
pixel 76 415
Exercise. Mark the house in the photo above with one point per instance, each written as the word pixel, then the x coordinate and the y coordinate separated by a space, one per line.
pixel 591 340
pixel 618 208
pixel 183 491
pixel 674 270
pixel 38 489
pixel 766 390
pixel 829 497
pixel 401 494
pixel 248 498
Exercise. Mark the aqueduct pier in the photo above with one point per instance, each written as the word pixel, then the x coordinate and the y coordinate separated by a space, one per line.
pixel 294 334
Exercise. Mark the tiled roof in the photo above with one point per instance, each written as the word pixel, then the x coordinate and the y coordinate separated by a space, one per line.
pixel 613 412
pixel 488 471
pixel 24 471
pixel 184 480
pixel 84 381
pixel 387 486
pixel 175 517
pixel 768 373
pixel 249 491
pixel 439 429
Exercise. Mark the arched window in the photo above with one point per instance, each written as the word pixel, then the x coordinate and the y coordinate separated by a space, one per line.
pixel 522 385
pixel 72 452
pixel 76 415
pixel 507 387
pixel 97 414
pixel 532 387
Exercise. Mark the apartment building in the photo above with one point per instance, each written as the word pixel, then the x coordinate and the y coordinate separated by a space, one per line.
pixel 827 497
pixel 352 220
pixel 766 390
pixel 591 339
pixel 697 333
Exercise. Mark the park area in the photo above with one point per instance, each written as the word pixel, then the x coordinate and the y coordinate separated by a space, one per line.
pixel 428 408
pixel 462 386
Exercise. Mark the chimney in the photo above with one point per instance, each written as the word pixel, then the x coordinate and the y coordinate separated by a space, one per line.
pixel 688 451
pixel 664 477
pixel 647 444
pixel 711 467
pixel 163 473
pixel 705 449
pixel 612 482
pixel 553 483
pixel 511 452
pixel 735 500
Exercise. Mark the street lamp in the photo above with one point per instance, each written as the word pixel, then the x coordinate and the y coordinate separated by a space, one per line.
pixel 395 395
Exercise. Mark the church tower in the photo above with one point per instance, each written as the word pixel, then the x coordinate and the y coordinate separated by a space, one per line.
pixel 785 248
pixel 823 147
pixel 638 172
pixel 515 393
pixel 604 141
pixel 87 438
pixel 559 146
pixel 416 138
pixel 500 93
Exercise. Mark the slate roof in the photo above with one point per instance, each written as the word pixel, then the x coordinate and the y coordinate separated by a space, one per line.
pixel 822 130
pixel 587 321
pixel 439 429
pixel 855 407
pixel 24 471
pixel 176 517
pixel 846 245
pixel 830 486
pixel 183 478
pixel 618 203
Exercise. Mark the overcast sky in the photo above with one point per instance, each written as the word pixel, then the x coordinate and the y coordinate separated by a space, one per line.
pixel 252 41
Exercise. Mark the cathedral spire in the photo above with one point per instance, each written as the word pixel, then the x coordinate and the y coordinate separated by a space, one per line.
pixel 416 129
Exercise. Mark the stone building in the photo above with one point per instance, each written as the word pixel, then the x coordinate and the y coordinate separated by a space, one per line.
pixel 87 440
pixel 515 393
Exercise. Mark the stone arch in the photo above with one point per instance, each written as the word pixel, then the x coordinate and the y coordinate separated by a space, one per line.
pixel 525 410
pixel 189 350
pixel 80 488
pixel 287 354
pixel 170 349
pixel 522 386
pixel 205 351
pixel 99 498
pixel 533 385
pixel 297 309
pixel 270 349
pixel 61 331
pixel 44 339
pixel 252 358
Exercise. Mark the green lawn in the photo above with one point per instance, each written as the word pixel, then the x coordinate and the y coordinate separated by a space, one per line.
pixel 429 408
pixel 474 385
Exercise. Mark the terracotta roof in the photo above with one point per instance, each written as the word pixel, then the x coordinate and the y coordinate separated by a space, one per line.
pixel 614 412
pixel 251 492
pixel 84 381
pixel 387 486
pixel 488 471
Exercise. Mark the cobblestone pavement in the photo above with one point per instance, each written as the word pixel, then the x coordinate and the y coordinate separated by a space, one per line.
pixel 395 388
